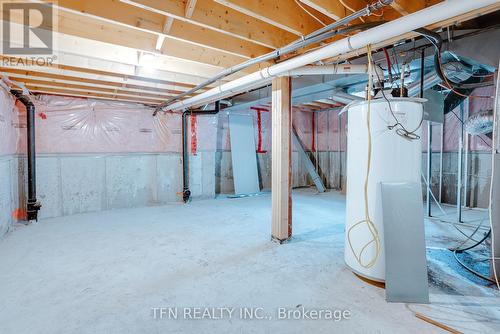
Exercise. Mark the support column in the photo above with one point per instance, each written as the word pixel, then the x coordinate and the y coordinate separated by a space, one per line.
pixel 281 159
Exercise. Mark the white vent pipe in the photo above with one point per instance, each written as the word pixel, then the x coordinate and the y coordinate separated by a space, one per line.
pixel 440 12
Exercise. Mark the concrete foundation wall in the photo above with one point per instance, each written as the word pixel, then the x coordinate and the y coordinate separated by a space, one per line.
pixel 9 192
pixel 201 175
pixel 71 184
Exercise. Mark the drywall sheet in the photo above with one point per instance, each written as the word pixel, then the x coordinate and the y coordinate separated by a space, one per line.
pixel 244 158
pixel 404 240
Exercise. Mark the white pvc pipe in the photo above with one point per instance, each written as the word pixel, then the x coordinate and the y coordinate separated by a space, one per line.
pixel 332 69
pixel 395 28
pixel 336 69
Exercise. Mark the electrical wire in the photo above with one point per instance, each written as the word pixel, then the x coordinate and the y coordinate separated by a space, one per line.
pixel 400 128
pixel 486 235
pixel 311 14
pixel 469 237
pixel 457 250
pixel 472 270
pixel 483 75
pixel 371 226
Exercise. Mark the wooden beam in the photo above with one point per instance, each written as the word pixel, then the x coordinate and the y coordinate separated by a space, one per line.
pixel 190 5
pixel 214 16
pixel 284 14
pixel 281 174
pixel 115 12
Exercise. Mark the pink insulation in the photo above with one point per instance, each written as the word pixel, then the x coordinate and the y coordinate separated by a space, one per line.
pixel 9 131
pixel 79 125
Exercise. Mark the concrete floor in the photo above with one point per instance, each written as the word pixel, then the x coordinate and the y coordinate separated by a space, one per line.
pixel 104 272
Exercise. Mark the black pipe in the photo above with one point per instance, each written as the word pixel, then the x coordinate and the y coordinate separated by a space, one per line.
pixel 33 205
pixel 186 193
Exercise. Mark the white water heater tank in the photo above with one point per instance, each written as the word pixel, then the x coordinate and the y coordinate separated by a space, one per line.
pixel 393 159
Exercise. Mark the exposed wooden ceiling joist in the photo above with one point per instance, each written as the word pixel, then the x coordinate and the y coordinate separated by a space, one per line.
pixel 212 15
pixel 91 89
pixel 119 13
pixel 16 72
pixel 347 7
pixel 405 7
pixel 284 14
pixel 86 94
pixel 87 27
pixel 196 39
pixel 97 72
pixel 333 9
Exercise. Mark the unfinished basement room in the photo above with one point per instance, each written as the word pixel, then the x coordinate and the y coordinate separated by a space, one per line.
pixel 250 166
